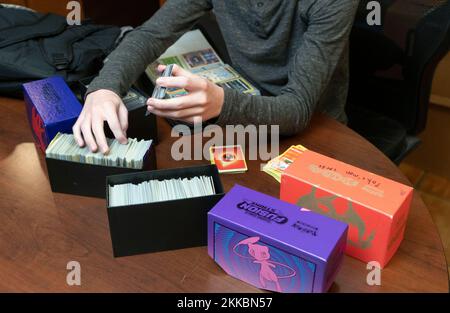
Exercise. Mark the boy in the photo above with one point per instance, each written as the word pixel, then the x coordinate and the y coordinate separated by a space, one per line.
pixel 295 52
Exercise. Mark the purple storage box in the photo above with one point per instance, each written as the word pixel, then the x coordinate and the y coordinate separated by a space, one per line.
pixel 274 245
pixel 51 108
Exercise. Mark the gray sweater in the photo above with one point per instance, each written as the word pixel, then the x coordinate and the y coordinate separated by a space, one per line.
pixel 294 51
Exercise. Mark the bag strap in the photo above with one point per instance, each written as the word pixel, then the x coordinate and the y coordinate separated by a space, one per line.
pixel 58 51
pixel 47 25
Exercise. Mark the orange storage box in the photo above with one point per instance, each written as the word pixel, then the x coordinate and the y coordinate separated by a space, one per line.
pixel 375 208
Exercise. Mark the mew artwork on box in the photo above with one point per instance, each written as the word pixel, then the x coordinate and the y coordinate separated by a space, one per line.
pixel 274 245
pixel 260 264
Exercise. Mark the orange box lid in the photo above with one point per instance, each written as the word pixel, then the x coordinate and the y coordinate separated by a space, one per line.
pixel 349 182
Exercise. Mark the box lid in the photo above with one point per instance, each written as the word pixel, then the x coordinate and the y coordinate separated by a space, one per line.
pixel 357 185
pixel 299 229
pixel 53 99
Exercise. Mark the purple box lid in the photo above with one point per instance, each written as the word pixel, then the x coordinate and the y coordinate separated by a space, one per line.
pixel 300 229
pixel 53 99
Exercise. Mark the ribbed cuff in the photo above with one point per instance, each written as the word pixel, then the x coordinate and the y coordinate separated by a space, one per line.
pixel 229 100
pixel 98 84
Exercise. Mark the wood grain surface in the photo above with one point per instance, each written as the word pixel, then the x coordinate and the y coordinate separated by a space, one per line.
pixel 41 231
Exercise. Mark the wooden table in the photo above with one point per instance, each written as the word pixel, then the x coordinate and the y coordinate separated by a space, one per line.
pixel 40 232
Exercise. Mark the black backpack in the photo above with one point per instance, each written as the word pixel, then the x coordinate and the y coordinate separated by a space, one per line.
pixel 35 46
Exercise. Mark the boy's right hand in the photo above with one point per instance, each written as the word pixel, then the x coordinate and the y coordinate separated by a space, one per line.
pixel 100 106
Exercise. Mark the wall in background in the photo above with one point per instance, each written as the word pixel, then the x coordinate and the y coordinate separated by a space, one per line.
pixel 18 2
pixel 45 6
pixel 433 154
pixel 109 12
pixel 120 12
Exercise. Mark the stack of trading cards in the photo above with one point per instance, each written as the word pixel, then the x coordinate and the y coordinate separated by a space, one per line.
pixel 276 166
pixel 160 92
pixel 160 190
pixel 228 159
pixel 131 155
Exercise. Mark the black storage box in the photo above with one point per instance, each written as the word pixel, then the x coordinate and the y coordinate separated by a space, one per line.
pixel 164 225
pixel 88 179
pixel 139 125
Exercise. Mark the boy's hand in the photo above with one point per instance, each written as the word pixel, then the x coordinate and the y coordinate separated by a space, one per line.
pixel 101 105
pixel 204 101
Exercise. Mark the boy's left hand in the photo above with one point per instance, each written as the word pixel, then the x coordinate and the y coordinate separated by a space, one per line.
pixel 203 101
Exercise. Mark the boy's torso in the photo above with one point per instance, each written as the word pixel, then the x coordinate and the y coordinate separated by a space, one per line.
pixel 262 38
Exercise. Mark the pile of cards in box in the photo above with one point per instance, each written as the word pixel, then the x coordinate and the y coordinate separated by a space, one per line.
pixel 160 190
pixel 131 155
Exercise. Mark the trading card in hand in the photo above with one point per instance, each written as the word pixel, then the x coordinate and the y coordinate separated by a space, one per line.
pixel 228 159
pixel 160 92
pixel 176 92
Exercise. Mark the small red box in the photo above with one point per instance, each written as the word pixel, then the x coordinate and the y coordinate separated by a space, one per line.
pixel 375 208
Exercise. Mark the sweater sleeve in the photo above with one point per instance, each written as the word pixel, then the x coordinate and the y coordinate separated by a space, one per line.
pixel 146 43
pixel 321 47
